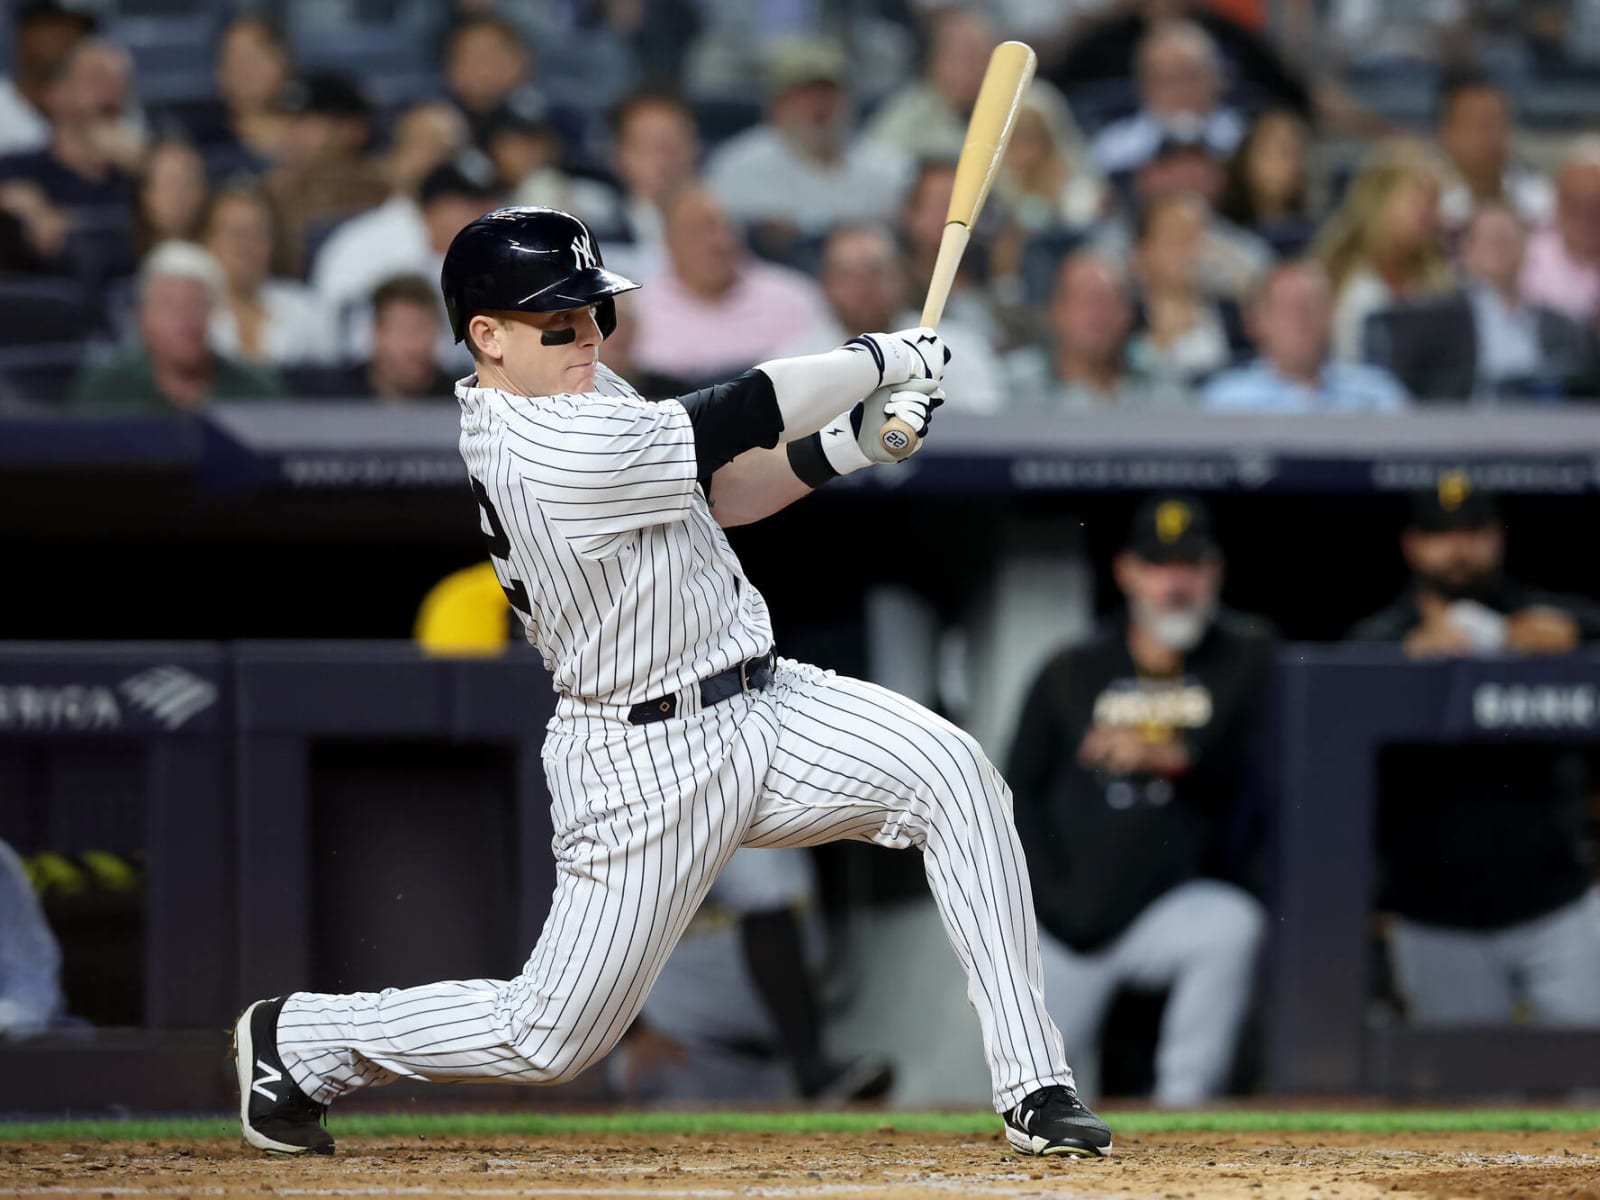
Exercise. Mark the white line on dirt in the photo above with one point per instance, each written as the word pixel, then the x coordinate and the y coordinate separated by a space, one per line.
pixel 964 1187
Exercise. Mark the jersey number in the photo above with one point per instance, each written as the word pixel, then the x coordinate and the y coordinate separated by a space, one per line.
pixel 500 547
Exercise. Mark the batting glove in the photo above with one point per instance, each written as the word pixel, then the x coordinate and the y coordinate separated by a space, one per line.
pixel 904 355
pixel 854 439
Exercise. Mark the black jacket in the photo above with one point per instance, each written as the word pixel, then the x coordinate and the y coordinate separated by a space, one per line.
pixel 1100 848
pixel 1485 834
pixel 1432 347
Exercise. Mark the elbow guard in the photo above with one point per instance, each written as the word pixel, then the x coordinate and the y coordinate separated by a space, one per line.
pixel 730 418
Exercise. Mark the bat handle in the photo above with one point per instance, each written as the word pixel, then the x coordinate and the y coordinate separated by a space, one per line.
pixel 897 438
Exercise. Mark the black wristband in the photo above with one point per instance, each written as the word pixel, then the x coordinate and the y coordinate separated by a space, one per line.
pixel 809 464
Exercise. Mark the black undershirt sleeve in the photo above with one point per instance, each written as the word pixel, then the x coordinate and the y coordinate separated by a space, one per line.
pixel 730 418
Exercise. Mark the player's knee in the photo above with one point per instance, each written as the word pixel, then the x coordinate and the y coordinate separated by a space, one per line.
pixel 562 1063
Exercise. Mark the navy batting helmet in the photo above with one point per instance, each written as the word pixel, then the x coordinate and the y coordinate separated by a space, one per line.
pixel 528 260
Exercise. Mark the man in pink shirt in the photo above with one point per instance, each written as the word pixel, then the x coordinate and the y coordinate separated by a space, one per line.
pixel 714 309
pixel 1562 267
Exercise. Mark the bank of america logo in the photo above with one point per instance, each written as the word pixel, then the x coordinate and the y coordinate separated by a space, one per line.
pixel 171 695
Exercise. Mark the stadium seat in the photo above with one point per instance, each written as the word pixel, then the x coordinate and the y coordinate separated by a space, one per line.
pixel 40 375
pixel 43 328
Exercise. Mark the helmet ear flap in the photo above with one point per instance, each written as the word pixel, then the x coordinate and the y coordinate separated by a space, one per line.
pixel 605 316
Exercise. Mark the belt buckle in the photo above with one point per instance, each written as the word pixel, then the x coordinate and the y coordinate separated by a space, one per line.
pixel 744 675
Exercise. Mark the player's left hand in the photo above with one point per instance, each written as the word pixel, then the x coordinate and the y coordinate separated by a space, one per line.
pixel 853 439
pixel 912 402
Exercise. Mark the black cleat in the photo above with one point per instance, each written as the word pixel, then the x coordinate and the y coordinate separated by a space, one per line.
pixel 274 1114
pixel 1054 1121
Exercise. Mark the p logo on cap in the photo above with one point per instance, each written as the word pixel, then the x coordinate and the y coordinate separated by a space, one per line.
pixel 1172 520
pixel 1454 488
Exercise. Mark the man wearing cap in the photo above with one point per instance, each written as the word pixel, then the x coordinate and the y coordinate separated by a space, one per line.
pixel 1129 760
pixel 1484 859
pixel 798 168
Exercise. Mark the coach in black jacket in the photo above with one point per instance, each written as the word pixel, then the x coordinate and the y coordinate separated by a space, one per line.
pixel 1482 343
pixel 1485 860
pixel 1129 756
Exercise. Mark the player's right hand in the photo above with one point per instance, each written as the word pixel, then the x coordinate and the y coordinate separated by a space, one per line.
pixel 904 355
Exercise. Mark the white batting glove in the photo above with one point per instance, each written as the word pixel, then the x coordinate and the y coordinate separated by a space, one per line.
pixel 854 439
pixel 904 355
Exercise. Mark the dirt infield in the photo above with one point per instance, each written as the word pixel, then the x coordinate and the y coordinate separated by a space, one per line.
pixel 887 1165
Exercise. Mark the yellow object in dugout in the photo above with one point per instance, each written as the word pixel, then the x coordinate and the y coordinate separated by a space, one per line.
pixel 465 614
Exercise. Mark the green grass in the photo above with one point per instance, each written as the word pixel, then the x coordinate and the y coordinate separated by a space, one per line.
pixel 448 1125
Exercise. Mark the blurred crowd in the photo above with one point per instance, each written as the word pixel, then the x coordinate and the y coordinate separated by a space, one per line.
pixel 1236 205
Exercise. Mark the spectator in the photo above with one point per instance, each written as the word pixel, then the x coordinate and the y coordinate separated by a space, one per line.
pixel 42 35
pixel 363 251
pixel 30 960
pixel 1046 185
pixel 247 127
pixel 1484 342
pixel 1382 246
pixel 486 64
pixel 1181 333
pixel 526 151
pixel 1107 49
pixel 406 328
pixel 324 173
pixel 928 119
pixel 715 309
pixel 1232 259
pixel 1562 268
pixel 451 197
pixel 263 317
pixel 863 279
pixel 799 170
pixel 1291 320
pixel 1047 181
pixel 1463 950
pixel 1179 77
pixel 734 1013
pixel 921 227
pixel 654 150
pixel 1266 187
pixel 172 367
pixel 86 171
pixel 173 193
pixel 1131 753
pixel 1084 366
pixel 1474 131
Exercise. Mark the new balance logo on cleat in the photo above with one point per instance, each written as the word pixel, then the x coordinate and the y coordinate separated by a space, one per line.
pixel 1053 1120
pixel 281 1121
pixel 268 1075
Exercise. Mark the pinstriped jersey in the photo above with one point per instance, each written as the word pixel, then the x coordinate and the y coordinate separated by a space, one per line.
pixel 604 541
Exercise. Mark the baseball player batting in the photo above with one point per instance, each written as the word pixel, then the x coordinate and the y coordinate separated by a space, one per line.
pixel 678 736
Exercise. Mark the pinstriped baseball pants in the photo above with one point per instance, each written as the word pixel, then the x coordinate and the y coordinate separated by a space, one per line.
pixel 645 817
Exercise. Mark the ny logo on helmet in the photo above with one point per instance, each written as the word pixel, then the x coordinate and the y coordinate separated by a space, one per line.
pixel 583 254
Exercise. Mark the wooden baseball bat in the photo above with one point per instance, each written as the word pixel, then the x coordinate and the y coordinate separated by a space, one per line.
pixel 1009 72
